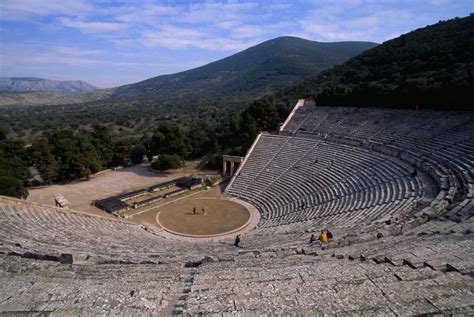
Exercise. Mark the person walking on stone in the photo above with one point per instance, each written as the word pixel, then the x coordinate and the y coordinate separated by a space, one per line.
pixel 194 210
pixel 237 241
pixel 203 212
pixel 312 238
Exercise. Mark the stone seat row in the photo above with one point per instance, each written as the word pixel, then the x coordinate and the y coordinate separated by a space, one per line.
pixel 37 229
pixel 47 287
pixel 293 183
pixel 441 138
pixel 312 284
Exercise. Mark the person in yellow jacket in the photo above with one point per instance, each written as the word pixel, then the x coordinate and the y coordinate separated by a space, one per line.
pixel 323 237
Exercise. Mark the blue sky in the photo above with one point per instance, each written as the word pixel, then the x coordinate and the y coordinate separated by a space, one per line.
pixel 109 43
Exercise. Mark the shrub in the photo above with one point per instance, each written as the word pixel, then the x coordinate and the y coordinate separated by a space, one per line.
pixel 12 187
pixel 166 162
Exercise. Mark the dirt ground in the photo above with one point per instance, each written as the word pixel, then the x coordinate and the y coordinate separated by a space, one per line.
pixel 176 213
pixel 220 216
pixel 149 217
pixel 81 194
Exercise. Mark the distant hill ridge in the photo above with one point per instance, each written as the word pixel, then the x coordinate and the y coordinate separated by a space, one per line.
pixel 258 70
pixel 23 84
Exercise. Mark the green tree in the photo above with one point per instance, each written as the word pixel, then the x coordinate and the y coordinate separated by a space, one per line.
pixel 167 161
pixel 137 153
pixel 87 160
pixel 167 139
pixel 13 161
pixel 199 142
pixel 12 187
pixel 122 151
pixel 155 144
pixel 248 129
pixel 40 154
pixel 264 113
pixel 215 161
pixel 75 154
pixel 102 141
pixel 13 169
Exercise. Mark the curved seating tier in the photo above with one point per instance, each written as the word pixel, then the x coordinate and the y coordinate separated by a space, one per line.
pixel 34 287
pixel 361 172
pixel 394 276
pixel 51 231
pixel 291 179
pixel 132 272
pixel 440 142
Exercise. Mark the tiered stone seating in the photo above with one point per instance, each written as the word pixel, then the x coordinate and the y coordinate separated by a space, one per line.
pixel 263 154
pixel 390 276
pixel 420 272
pixel 306 179
pixel 346 146
pixel 402 246
pixel 440 143
pixel 122 277
pixel 26 227
pixel 33 287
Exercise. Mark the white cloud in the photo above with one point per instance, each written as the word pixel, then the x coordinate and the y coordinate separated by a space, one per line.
pixel 216 25
pixel 279 6
pixel 440 2
pixel 171 36
pixel 331 32
pixel 148 13
pixel 22 9
pixel 248 31
pixel 223 6
pixel 356 20
pixel 77 51
pixel 218 12
pixel 92 27
pixel 179 38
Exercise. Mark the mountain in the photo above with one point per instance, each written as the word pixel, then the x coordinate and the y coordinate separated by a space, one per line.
pixel 258 70
pixel 208 93
pixel 15 84
pixel 432 67
pixel 34 98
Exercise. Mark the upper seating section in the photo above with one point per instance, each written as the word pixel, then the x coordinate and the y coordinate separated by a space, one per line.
pixel 440 142
pixel 344 166
pixel 291 179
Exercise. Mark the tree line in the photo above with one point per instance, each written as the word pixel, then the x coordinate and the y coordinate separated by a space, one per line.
pixel 64 155
pixel 429 68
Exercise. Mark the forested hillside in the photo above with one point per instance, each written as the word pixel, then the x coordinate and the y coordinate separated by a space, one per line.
pixel 256 71
pixel 431 67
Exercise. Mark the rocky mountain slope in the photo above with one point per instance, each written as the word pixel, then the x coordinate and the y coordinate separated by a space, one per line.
pixel 46 85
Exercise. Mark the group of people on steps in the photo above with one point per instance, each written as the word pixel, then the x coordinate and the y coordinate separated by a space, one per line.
pixel 324 237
